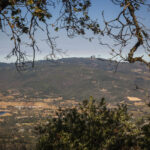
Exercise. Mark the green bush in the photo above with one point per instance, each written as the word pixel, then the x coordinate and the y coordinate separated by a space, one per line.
pixel 91 126
pixel 145 137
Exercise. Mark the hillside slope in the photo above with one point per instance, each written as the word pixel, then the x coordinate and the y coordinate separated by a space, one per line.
pixel 78 78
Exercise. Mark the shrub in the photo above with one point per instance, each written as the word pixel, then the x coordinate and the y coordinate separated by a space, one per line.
pixel 91 126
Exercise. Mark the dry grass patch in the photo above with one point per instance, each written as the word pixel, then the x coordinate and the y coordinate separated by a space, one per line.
pixel 133 98
pixel 6 115
pixel 48 100
pixel 1 120
pixel 104 90
pixel 139 103
pixel 24 104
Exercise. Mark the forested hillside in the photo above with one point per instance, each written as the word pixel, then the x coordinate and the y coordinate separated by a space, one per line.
pixel 78 78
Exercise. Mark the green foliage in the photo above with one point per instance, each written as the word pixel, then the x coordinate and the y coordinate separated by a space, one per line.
pixel 92 126
pixel 145 139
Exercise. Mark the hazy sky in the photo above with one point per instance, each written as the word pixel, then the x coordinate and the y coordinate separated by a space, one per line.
pixel 77 46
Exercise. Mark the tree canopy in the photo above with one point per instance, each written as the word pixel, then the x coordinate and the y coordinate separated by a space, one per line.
pixel 26 17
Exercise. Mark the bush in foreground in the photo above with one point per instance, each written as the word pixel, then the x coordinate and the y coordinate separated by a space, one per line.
pixel 91 126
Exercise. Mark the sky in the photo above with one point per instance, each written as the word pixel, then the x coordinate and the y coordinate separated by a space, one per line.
pixel 73 47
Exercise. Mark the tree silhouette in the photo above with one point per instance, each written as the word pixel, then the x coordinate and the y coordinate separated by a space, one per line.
pixel 26 17
pixel 128 30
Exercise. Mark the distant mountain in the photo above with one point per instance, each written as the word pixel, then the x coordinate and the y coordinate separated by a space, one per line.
pixel 78 78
